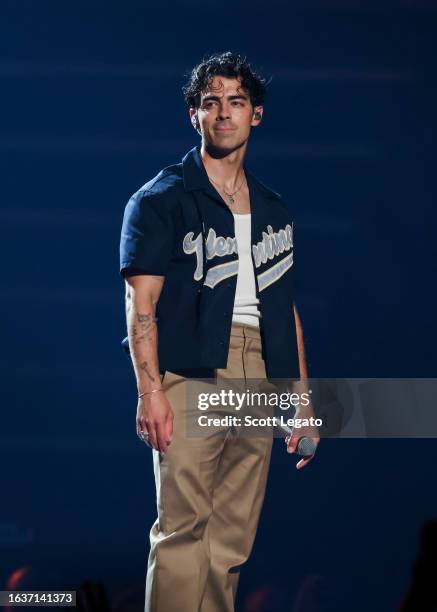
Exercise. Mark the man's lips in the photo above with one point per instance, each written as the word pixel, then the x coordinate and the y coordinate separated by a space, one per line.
pixel 224 129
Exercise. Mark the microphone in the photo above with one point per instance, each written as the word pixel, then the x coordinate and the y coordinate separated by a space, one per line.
pixel 305 446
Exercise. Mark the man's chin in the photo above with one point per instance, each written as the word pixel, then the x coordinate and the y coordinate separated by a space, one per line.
pixel 222 149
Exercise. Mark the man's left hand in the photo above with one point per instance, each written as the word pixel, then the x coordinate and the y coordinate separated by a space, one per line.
pixel 292 440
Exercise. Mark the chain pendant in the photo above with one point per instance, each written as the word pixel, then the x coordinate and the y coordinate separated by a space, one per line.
pixel 231 199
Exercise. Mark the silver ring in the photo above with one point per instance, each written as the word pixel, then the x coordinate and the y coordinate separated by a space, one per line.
pixel 143 434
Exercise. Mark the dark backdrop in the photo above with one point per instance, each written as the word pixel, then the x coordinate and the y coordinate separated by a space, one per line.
pixel 91 109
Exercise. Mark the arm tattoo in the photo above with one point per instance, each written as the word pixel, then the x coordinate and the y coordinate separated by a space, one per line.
pixel 143 366
pixel 146 322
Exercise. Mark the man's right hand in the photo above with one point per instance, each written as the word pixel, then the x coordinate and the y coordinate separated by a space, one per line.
pixel 155 417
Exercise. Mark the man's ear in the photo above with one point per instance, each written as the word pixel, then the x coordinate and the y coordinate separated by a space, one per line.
pixel 257 116
pixel 194 119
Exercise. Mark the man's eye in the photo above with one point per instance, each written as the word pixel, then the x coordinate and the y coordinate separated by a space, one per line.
pixel 237 103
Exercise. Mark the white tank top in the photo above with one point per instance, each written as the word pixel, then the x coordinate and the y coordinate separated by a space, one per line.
pixel 246 302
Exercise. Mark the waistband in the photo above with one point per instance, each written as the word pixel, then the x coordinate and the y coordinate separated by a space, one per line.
pixel 242 330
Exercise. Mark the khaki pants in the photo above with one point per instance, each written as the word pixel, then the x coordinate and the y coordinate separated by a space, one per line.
pixel 210 492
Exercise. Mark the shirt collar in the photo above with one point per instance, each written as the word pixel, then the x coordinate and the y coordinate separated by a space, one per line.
pixel 195 176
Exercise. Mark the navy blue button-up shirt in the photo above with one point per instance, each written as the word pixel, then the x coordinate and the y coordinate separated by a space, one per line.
pixel 178 226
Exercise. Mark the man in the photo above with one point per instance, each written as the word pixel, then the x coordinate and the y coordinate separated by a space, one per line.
pixel 207 255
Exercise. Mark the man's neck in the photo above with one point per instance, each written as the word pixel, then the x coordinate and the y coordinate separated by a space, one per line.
pixel 225 170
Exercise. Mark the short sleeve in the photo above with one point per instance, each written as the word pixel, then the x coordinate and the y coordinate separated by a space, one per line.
pixel 147 234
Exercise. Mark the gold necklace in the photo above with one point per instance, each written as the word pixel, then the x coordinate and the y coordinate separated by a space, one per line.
pixel 230 195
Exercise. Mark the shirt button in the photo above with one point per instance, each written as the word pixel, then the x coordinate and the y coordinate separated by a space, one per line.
pixel 221 342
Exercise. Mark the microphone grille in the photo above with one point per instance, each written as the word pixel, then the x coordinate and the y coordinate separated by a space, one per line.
pixel 306 447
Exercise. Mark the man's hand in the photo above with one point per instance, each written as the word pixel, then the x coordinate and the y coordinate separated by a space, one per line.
pixel 301 387
pixel 292 440
pixel 155 417
pixel 302 412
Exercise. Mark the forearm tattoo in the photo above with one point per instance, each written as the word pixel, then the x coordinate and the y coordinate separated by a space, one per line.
pixel 146 323
pixel 143 366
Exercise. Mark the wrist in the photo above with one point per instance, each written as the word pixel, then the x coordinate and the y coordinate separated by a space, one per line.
pixel 145 393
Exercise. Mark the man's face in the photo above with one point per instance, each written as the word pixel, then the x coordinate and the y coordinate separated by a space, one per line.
pixel 226 114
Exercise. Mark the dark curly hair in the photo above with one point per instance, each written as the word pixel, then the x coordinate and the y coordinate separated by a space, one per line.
pixel 231 65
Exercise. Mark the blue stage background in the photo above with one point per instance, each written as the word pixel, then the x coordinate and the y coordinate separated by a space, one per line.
pixel 91 109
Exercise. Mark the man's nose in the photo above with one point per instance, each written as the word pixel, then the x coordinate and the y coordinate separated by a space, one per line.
pixel 223 113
